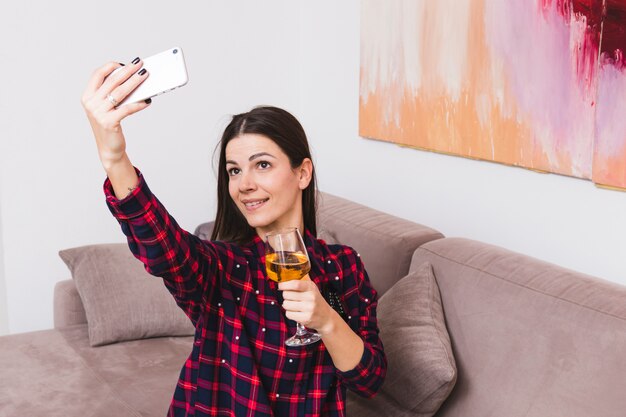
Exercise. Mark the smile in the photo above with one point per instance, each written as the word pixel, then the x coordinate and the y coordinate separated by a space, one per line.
pixel 254 205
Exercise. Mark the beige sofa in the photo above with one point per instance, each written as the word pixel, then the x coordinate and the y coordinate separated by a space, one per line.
pixel 525 338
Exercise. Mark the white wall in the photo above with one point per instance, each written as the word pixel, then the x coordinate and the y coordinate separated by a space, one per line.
pixel 4 313
pixel 239 54
pixel 303 56
pixel 563 220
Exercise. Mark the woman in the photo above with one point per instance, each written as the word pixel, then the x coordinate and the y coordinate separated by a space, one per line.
pixel 239 365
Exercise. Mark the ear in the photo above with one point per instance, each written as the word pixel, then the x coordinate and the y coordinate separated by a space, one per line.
pixel 305 173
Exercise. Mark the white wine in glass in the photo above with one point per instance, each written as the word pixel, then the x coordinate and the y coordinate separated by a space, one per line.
pixel 286 259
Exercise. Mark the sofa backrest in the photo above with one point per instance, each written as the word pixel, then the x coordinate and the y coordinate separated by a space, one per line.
pixel 385 242
pixel 530 338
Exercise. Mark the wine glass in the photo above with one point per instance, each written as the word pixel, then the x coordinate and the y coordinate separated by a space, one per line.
pixel 286 259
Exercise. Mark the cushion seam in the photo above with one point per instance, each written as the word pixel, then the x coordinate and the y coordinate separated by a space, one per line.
pixel 431 289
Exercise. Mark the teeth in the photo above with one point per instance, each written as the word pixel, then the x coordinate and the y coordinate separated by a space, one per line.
pixel 256 203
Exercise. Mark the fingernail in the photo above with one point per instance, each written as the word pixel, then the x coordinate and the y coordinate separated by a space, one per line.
pixel 142 72
pixel 121 64
pixel 148 100
pixel 135 60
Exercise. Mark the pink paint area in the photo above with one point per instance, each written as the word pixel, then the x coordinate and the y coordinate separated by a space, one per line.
pixel 609 165
pixel 548 61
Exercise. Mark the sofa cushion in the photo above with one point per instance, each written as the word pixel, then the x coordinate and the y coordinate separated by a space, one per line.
pixel 42 375
pixel 122 301
pixel 142 373
pixel 421 368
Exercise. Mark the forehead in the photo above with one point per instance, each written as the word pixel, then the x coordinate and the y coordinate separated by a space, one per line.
pixel 243 146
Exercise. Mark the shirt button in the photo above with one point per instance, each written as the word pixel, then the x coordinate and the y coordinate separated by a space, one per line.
pixel 263 329
pixel 238 266
pixel 257 291
pixel 358 254
pixel 239 299
pixel 219 304
pixel 336 278
pixel 349 317
pixel 277 395
pixel 367 301
pixel 272 303
pixel 223 360
pixel 290 360
pixel 329 261
pixel 236 337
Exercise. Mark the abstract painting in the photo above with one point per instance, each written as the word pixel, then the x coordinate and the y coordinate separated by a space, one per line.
pixel 539 84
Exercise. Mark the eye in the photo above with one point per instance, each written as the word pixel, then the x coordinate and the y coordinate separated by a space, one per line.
pixel 264 164
pixel 233 171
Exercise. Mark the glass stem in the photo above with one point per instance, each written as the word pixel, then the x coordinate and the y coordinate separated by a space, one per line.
pixel 301 330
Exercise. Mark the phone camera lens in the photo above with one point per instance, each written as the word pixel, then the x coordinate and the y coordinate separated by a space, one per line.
pixel 175 51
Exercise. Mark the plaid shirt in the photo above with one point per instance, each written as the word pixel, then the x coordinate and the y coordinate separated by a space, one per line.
pixel 239 364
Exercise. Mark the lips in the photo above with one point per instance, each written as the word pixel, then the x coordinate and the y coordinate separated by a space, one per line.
pixel 252 205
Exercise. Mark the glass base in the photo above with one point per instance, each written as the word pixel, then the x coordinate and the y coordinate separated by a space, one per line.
pixel 304 339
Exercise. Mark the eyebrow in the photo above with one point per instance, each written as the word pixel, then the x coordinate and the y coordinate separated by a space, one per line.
pixel 253 157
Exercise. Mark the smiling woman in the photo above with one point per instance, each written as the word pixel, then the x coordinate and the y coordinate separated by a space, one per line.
pixel 264 155
pixel 239 364
pixel 264 186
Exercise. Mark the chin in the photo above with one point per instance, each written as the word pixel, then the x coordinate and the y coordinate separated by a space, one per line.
pixel 257 222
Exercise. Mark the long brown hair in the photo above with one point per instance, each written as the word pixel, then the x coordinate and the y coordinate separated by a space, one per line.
pixel 284 129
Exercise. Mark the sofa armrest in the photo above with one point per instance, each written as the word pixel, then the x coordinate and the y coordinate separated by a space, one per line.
pixel 68 307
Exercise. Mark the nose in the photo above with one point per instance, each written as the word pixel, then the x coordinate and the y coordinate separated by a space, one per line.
pixel 246 182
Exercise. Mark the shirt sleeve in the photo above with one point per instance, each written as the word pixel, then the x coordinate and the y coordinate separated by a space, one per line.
pixel 368 375
pixel 187 264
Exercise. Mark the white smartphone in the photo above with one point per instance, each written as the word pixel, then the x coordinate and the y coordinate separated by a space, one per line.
pixel 166 72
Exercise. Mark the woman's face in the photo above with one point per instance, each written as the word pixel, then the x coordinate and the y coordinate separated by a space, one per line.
pixel 265 188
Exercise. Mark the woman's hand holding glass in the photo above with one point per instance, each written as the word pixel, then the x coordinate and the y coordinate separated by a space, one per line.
pixel 304 304
pixel 287 262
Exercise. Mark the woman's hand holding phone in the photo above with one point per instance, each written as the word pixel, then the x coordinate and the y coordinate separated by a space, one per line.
pixel 103 92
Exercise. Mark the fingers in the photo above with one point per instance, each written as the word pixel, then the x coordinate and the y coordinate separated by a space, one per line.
pixel 117 78
pixel 299 295
pixel 121 92
pixel 98 76
pixel 290 305
pixel 299 317
pixel 128 109
pixel 296 285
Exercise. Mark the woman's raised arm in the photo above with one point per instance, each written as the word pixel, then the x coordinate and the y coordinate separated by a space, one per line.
pixel 104 90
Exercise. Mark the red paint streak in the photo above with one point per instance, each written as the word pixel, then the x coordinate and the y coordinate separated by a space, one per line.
pixel 608 16
pixel 587 57
pixel 614 32
pixel 587 50
pixel 591 9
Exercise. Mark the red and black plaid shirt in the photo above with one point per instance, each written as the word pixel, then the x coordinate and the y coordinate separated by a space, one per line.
pixel 239 364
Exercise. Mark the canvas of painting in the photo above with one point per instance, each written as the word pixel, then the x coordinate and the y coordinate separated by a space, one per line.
pixel 529 83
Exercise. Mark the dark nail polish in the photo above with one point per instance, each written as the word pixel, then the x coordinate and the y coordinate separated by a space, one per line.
pixel 142 72
pixel 121 64
pixel 135 60
pixel 148 100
